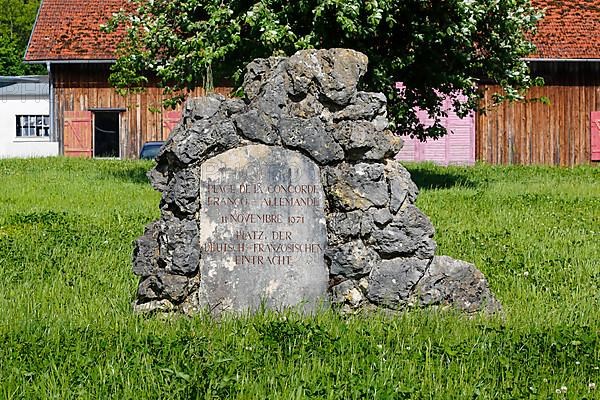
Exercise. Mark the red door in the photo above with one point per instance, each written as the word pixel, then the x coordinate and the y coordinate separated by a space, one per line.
pixel 595 131
pixel 78 134
pixel 170 121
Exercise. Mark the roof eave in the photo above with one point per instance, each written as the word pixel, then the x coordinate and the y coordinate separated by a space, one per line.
pixel 74 61
pixel 563 59
pixel 33 30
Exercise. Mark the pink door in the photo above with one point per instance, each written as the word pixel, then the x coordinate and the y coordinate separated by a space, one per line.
pixel 595 132
pixel 457 147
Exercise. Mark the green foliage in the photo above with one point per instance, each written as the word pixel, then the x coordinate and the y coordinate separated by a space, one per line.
pixel 435 48
pixel 16 22
pixel 10 58
pixel 68 332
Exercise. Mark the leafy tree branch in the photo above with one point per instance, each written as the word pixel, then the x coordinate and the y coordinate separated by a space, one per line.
pixel 436 48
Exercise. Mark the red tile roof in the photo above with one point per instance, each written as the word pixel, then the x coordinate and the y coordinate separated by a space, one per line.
pixel 70 30
pixel 569 30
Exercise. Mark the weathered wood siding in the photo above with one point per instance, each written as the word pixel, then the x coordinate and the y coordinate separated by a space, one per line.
pixel 84 87
pixel 535 133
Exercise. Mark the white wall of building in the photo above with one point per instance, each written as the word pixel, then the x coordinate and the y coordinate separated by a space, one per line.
pixel 11 145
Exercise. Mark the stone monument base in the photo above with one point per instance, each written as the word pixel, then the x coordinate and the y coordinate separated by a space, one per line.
pixel 291 197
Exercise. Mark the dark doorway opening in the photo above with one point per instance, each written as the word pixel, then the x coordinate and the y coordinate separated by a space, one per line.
pixel 106 134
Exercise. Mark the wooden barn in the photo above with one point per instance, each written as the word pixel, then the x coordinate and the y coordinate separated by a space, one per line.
pixel 88 117
pixel 565 131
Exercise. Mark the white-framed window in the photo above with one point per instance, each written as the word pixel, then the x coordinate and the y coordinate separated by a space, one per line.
pixel 33 125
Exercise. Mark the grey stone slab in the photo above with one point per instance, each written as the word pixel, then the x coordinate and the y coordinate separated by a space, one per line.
pixel 262 230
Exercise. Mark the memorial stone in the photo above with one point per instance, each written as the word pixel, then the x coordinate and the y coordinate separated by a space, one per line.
pixel 291 197
pixel 262 230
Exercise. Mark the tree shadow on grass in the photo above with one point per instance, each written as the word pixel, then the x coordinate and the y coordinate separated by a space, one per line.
pixel 426 176
pixel 133 173
pixel 430 177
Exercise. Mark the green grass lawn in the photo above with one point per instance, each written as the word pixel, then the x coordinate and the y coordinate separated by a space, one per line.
pixel 66 287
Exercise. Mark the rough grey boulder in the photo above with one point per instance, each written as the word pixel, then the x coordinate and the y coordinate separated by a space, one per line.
pixel 357 186
pixel 380 247
pixel 402 187
pixel 178 245
pixel 379 216
pixel 335 73
pixel 409 233
pixel 165 286
pixel 362 141
pixel 365 106
pixel 450 282
pixel 352 259
pixel 145 254
pixel 255 126
pixel 310 136
pixel 349 294
pixel 204 107
pixel 202 139
pixel 181 192
pixel 261 73
pixel 342 226
pixel 392 281
pixel 150 288
pixel 306 107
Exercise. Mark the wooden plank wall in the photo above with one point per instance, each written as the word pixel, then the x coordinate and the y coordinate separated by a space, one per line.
pixel 80 87
pixel 535 133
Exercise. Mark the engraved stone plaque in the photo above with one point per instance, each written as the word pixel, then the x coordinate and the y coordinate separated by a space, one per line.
pixel 262 230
